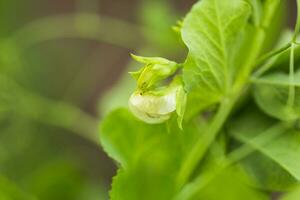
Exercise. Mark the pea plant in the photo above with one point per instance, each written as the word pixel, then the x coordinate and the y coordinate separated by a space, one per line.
pixel 222 124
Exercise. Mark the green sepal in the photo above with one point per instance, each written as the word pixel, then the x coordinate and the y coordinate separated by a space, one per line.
pixel 180 106
pixel 156 69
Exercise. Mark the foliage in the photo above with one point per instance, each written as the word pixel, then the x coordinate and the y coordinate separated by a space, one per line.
pixel 230 145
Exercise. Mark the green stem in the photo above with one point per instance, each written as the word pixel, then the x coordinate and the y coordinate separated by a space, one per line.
pixel 297 27
pixel 291 45
pixel 268 65
pixel 271 54
pixel 204 142
pixel 257 45
pixel 291 97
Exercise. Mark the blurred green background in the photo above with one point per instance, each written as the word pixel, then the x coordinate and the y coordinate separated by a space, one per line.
pixel 59 63
pixel 63 65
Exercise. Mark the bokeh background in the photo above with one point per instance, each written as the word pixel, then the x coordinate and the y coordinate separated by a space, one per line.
pixel 63 66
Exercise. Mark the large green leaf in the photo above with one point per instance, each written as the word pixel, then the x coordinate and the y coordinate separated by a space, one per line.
pixel 212 32
pixel 276 163
pixel 150 155
pixel 271 93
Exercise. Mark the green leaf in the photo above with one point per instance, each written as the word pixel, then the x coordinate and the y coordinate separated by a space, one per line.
pixel 285 151
pixel 267 173
pixel 271 94
pixel 231 184
pixel 198 98
pixel 212 32
pixel 180 105
pixel 276 164
pixel 150 155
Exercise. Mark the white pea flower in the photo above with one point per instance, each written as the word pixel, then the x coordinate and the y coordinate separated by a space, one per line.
pixel 151 108
pixel 151 103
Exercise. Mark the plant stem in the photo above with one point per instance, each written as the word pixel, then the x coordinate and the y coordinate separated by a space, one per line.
pixel 270 63
pixel 297 26
pixel 257 45
pixel 291 97
pixel 271 54
pixel 203 143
